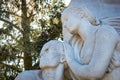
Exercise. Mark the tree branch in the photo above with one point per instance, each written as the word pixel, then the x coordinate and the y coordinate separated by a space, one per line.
pixel 20 57
pixel 10 66
pixel 5 32
pixel 12 13
pixel 36 66
pixel 11 24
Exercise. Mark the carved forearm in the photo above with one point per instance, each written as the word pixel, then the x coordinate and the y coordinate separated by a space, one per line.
pixel 79 69
pixel 84 71
pixel 87 50
pixel 100 59
pixel 30 75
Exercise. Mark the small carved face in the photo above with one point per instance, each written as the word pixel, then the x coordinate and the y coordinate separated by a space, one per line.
pixel 50 54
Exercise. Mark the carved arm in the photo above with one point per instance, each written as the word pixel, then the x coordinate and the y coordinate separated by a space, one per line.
pixel 104 47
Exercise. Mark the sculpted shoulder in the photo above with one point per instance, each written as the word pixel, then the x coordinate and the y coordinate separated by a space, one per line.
pixel 109 32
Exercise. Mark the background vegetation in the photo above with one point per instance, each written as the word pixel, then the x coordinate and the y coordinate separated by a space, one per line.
pixel 25 25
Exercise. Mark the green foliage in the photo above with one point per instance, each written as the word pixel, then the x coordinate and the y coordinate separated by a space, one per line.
pixel 22 34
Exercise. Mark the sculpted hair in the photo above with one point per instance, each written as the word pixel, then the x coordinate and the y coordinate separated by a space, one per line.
pixel 82 13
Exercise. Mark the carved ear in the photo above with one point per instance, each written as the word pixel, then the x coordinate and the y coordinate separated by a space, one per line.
pixel 62 58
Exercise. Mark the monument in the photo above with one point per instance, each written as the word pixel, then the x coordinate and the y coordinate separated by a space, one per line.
pixel 91 47
pixel 52 63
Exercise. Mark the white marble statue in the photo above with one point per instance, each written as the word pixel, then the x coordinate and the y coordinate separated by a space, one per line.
pixel 53 61
pixel 30 75
pixel 91 47
pixel 88 26
pixel 53 64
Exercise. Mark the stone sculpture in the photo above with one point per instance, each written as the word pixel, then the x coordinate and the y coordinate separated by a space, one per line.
pixel 88 28
pixel 91 47
pixel 30 75
pixel 52 64
pixel 53 61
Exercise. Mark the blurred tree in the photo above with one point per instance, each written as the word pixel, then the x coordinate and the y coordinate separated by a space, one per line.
pixel 25 25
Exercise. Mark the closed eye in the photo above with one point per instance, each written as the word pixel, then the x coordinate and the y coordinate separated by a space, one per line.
pixel 46 49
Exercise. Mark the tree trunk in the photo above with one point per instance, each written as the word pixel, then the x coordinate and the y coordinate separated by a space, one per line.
pixel 26 40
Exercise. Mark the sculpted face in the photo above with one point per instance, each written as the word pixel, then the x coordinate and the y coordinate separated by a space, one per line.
pixel 73 20
pixel 70 22
pixel 50 54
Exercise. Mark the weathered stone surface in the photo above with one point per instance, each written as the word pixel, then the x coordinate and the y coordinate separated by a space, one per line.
pixel 91 47
pixel 89 27
pixel 29 75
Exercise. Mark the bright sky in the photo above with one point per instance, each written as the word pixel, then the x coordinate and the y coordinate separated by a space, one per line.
pixel 67 2
pixel 1 23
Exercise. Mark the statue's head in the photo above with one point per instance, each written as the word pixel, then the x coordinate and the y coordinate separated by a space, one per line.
pixel 74 17
pixel 52 54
